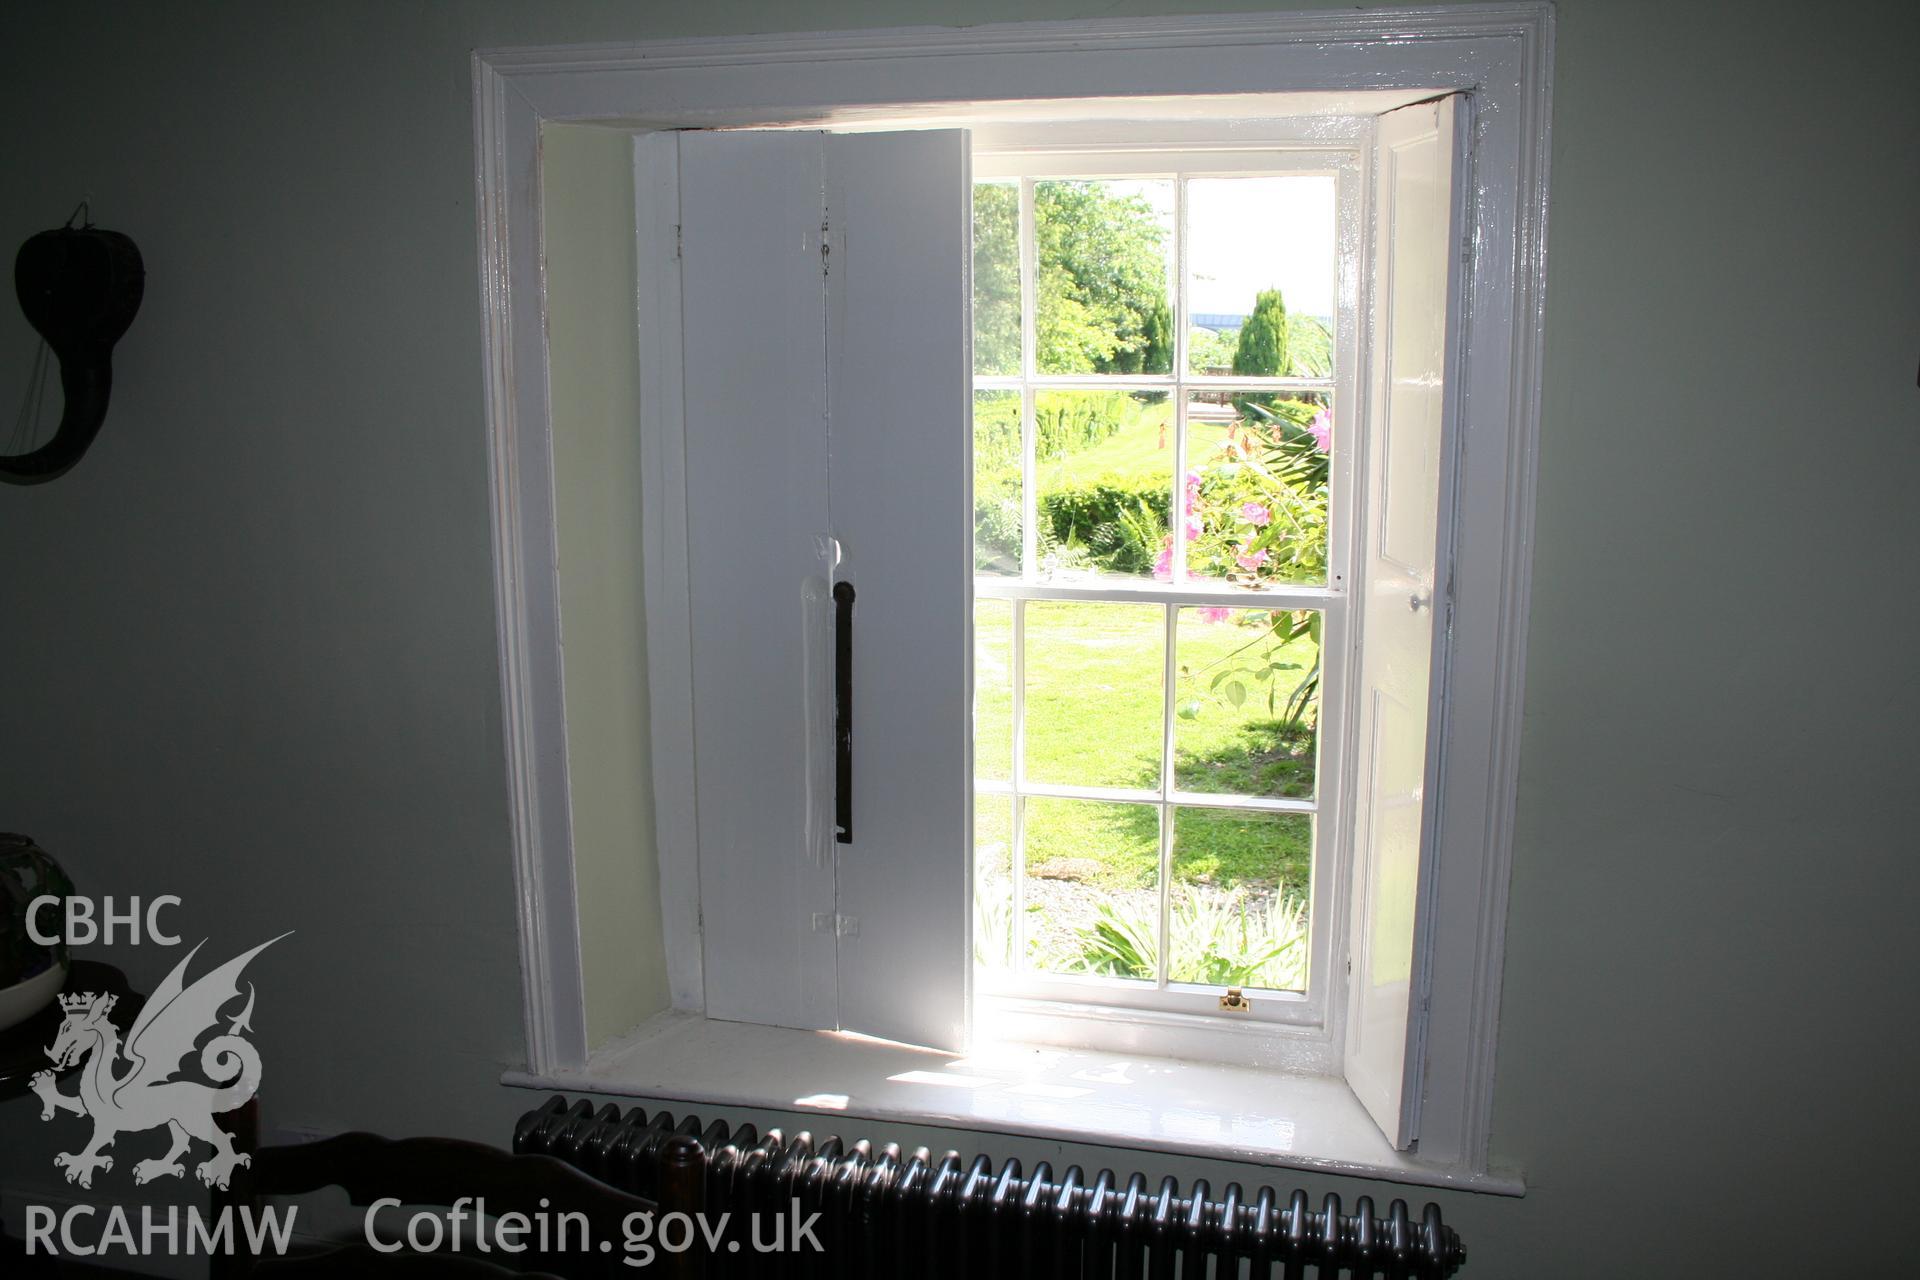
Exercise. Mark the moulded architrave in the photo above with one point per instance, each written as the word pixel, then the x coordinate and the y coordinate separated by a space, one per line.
pixel 1500 54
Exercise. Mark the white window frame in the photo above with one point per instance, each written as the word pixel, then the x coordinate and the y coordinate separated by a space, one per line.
pixel 1499 55
pixel 1175 1019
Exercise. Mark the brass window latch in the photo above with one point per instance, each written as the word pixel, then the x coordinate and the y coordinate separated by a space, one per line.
pixel 1235 1002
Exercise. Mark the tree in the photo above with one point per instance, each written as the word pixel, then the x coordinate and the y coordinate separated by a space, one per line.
pixel 1102 273
pixel 996 278
pixel 1100 287
pixel 1159 352
pixel 1262 350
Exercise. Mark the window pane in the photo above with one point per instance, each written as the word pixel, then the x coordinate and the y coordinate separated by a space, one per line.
pixel 1103 469
pixel 997 503
pixel 1101 280
pixel 1248 701
pixel 993 880
pixel 1238 901
pixel 1093 707
pixel 1255 499
pixel 996 278
pixel 1092 895
pixel 1260 276
pixel 993 689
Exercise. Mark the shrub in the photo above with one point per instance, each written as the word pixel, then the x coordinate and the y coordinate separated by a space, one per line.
pixel 996 530
pixel 1211 351
pixel 1309 347
pixel 1218 941
pixel 1274 343
pixel 996 433
pixel 1262 349
pixel 1068 421
pixel 1113 523
pixel 1120 521
pixel 1257 513
pixel 1256 516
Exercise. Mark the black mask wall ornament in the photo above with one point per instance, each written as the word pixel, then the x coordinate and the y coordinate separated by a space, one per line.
pixel 80 287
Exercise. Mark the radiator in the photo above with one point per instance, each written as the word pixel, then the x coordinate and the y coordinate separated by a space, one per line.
pixel 891 1215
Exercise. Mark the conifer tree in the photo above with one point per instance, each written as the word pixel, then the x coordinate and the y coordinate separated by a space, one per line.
pixel 1262 350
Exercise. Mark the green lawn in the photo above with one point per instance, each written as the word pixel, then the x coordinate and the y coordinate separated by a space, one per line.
pixel 1094 718
pixel 1141 447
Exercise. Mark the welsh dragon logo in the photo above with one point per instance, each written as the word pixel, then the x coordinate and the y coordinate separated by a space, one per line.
pixel 145 1095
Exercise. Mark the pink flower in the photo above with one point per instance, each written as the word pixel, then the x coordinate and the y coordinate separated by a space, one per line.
pixel 1215 615
pixel 1251 560
pixel 1321 429
pixel 1193 492
pixel 1194 529
pixel 1163 563
pixel 1256 514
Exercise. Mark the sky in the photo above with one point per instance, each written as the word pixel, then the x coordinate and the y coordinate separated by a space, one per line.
pixel 1249 234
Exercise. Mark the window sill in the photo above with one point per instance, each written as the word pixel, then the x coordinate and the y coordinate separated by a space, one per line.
pixel 1131 1101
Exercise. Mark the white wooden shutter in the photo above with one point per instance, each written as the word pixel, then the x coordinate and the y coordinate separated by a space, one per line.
pixel 1414 244
pixel 825 335
pixel 899 394
pixel 753 306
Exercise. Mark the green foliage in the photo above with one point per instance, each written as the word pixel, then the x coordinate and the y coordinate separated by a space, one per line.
pixel 1159 353
pixel 26 872
pixel 1263 517
pixel 1262 349
pixel 1293 456
pixel 1111 522
pixel 1263 667
pixel 996 278
pixel 996 530
pixel 1309 348
pixel 1067 422
pixel 1211 351
pixel 992 923
pixel 1101 276
pixel 996 433
pixel 1291 545
pixel 1120 521
pixel 1276 344
pixel 996 482
pixel 1219 941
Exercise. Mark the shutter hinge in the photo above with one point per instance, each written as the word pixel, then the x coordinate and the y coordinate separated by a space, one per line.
pixel 678 241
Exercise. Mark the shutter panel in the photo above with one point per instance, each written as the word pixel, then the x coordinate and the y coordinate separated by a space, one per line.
pixel 827 392
pixel 899 387
pixel 1397 600
pixel 753 303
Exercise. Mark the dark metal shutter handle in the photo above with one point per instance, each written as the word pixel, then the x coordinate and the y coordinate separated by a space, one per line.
pixel 843 712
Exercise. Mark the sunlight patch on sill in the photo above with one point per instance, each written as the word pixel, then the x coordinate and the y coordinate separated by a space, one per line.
pixel 1248 1114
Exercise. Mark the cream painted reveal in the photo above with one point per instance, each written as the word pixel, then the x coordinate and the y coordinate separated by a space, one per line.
pixel 589 241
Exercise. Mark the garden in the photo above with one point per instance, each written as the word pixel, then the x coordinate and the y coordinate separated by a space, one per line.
pixel 1252 503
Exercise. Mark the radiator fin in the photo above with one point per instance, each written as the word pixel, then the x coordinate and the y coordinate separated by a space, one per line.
pixel 887 1214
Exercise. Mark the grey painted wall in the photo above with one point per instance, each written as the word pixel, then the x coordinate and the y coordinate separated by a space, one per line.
pixel 250 653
